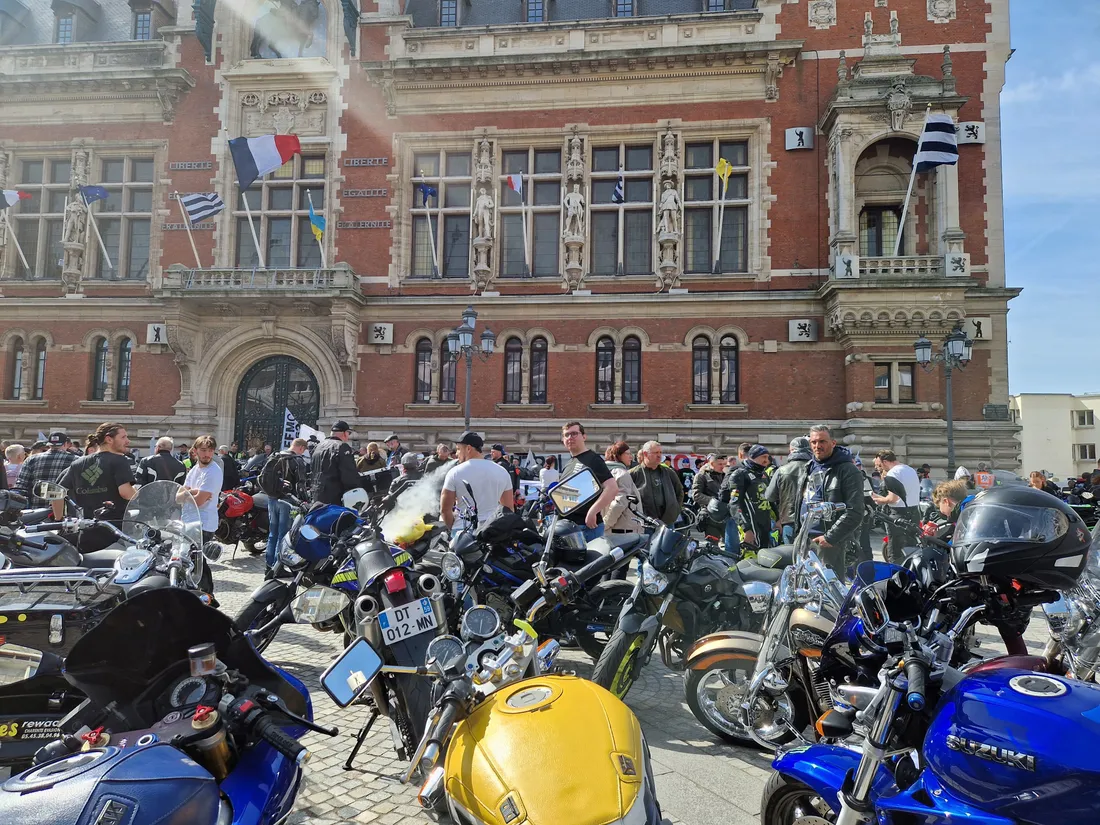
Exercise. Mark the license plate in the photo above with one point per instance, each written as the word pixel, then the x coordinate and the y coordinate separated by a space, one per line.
pixel 400 623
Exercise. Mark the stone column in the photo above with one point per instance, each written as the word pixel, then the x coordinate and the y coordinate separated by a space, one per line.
pixel 947 188
pixel 618 366
pixel 438 365
pixel 525 374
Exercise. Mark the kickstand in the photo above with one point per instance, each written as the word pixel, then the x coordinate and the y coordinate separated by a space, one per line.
pixel 360 738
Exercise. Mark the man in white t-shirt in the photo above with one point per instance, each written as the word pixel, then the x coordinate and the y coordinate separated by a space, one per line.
pixel 204 482
pixel 901 488
pixel 491 484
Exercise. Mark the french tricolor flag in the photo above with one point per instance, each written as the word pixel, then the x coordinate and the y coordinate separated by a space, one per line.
pixel 10 197
pixel 255 157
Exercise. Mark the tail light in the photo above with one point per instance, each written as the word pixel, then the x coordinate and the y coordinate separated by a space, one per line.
pixel 394 581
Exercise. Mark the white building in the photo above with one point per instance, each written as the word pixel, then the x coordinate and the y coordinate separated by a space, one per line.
pixel 1058 432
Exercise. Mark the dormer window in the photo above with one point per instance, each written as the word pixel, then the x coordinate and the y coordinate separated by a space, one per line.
pixel 64 33
pixel 143 25
pixel 448 13
pixel 624 8
pixel 536 11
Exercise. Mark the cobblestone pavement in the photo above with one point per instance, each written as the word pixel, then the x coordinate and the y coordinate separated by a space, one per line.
pixel 700 780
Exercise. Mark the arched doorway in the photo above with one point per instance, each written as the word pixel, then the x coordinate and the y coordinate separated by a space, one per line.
pixel 268 389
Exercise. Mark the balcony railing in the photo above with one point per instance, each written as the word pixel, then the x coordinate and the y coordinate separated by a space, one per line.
pixel 905 266
pixel 256 282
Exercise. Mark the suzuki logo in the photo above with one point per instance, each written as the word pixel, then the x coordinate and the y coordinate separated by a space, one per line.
pixel 991 753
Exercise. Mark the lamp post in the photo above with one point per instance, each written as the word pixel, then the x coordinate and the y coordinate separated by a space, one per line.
pixel 460 342
pixel 954 354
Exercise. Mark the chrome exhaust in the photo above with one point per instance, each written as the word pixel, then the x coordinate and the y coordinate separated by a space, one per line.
pixel 366 615
pixel 429 585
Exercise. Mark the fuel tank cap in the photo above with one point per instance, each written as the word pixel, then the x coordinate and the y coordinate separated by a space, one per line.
pixel 1038 685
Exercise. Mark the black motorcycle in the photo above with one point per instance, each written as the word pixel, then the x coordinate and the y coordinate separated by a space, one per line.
pixel 686 589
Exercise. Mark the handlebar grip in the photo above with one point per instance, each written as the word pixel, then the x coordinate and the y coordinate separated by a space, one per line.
pixel 268 730
pixel 43 527
pixel 915 673
pixel 597 568
pixel 447 717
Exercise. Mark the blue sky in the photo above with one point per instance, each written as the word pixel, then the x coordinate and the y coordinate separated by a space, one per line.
pixel 1051 142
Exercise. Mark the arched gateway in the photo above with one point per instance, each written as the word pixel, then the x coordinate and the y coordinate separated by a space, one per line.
pixel 268 389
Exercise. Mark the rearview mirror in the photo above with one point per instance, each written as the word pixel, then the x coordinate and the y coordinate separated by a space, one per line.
pixel 574 492
pixel 318 604
pixel 212 550
pixel 309 532
pixel 49 491
pixel 349 676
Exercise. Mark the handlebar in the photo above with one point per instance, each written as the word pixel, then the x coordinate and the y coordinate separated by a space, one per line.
pixel 74 524
pixel 916 672
pixel 268 729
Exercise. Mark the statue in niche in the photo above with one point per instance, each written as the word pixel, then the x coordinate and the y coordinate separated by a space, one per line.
pixel 289 28
pixel 483 215
pixel 574 213
pixel 669 209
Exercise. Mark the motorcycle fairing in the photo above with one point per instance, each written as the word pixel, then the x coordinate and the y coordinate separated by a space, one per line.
pixel 927 800
pixel 823 768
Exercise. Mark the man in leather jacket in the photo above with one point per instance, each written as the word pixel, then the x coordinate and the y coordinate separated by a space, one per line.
pixel 743 490
pixel 165 465
pixel 785 488
pixel 833 477
pixel 333 466
pixel 705 488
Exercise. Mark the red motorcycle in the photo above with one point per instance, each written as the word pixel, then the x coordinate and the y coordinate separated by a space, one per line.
pixel 242 518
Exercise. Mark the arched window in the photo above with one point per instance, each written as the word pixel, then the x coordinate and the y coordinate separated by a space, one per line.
pixel 39 391
pixel 513 371
pixel 632 371
pixel 538 371
pixel 605 371
pixel 700 370
pixel 16 368
pixel 122 384
pixel 423 391
pixel 727 360
pixel 447 375
pixel 99 369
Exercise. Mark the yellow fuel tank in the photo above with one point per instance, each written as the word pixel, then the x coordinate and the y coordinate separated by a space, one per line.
pixel 547 751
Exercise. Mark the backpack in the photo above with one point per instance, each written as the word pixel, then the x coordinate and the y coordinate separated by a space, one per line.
pixel 272 478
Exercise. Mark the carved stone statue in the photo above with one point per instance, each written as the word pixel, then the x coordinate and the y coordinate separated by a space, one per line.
pixel 669 209
pixel 895 28
pixel 76 216
pixel 898 104
pixel 574 167
pixel 79 175
pixel 483 214
pixel 574 213
pixel 868 25
pixel 670 165
pixel 484 171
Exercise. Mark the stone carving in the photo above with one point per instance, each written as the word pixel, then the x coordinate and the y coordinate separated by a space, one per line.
pixel 73 234
pixel 285 120
pixel 211 336
pixel 941 11
pixel 670 210
pixel 338 344
pixel 771 78
pixel 76 215
pixel 947 67
pixel 182 344
pixel 168 95
pixel 483 215
pixel 822 13
pixel 574 167
pixel 288 27
pixel 868 25
pixel 3 166
pixel 574 213
pixel 898 105
pixel 842 69
pixel 670 156
pixel 79 175
pixel 895 27
pixel 483 171
pixel 389 93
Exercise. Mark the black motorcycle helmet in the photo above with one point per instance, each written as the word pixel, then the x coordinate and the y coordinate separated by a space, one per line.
pixel 568 545
pixel 1021 534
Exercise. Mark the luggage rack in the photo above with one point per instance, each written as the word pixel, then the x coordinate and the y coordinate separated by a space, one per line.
pixel 69 579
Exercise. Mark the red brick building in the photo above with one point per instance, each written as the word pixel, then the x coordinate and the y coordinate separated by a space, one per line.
pixel 622 288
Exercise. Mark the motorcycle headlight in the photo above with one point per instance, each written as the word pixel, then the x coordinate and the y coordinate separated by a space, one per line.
pixel 287 555
pixel 654 582
pixel 452 565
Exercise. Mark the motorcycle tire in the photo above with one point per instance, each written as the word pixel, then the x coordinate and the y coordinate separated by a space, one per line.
pixel 606 603
pixel 416 694
pixel 618 665
pixel 257 614
pixel 710 713
pixel 786 801
pixel 224 531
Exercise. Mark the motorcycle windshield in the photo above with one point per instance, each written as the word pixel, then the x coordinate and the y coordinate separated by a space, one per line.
pixel 151 632
pixel 848 629
pixel 169 508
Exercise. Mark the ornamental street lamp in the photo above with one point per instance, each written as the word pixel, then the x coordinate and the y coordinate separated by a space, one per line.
pixel 954 354
pixel 460 343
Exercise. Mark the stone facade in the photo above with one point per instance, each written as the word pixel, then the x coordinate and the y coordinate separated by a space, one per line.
pixel 628 316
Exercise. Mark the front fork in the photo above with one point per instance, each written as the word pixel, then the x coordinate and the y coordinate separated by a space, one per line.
pixel 765 676
pixel 856 806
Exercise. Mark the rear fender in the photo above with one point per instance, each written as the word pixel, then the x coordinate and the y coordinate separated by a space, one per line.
pixel 824 769
pixel 726 644
pixel 270 591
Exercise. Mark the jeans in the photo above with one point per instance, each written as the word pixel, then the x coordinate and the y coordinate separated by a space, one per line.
pixel 594 533
pixel 278 525
pixel 733 538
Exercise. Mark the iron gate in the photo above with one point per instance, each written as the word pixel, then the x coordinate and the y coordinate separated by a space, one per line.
pixel 268 389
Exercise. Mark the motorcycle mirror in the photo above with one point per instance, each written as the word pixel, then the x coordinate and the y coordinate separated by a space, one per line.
pixel 49 491
pixel 309 532
pixel 349 676
pixel 574 492
pixel 318 604
pixel 212 550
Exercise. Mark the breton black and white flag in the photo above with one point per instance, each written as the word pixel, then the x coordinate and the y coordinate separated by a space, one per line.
pixel 619 195
pixel 938 144
pixel 202 205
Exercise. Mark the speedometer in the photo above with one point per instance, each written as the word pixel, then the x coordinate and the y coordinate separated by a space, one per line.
pixel 188 691
pixel 480 623
pixel 449 651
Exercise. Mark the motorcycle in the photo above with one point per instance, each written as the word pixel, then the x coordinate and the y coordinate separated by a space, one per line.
pixel 493 694
pixel 996 747
pixel 183 722
pixel 1074 623
pixel 685 590
pixel 243 517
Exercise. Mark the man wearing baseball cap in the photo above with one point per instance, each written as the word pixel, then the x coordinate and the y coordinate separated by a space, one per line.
pixel 489 482
pixel 333 466
pixel 47 466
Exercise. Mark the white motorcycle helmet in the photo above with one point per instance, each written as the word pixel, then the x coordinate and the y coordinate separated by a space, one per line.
pixel 355 499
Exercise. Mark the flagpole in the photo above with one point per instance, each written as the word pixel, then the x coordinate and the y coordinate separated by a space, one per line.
pixel 431 232
pixel 320 245
pixel 252 226
pixel 909 191
pixel 15 240
pixel 187 226
pixel 721 218
pixel 523 218
pixel 95 228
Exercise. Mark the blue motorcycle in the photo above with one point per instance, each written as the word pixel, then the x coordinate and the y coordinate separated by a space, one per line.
pixel 184 723
pixel 1001 746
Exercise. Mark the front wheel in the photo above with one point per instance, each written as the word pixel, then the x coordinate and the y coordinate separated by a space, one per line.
pixel 715 695
pixel 618 665
pixel 787 801
pixel 259 614
pixel 604 604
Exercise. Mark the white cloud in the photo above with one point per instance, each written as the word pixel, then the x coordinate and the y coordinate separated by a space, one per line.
pixel 1073 83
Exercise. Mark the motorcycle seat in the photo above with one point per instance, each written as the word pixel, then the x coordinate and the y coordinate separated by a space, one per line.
pixel 625 541
pixel 753 572
pixel 259 501
pixel 36 516
pixel 590 556
pixel 776 557
pixel 99 559
pixel 373 562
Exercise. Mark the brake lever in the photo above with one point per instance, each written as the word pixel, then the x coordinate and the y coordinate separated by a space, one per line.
pixel 271 702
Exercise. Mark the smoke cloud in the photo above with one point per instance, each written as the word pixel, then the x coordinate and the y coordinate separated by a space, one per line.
pixel 421 498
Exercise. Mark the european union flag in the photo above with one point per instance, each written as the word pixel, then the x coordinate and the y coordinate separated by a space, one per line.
pixel 427 192
pixel 91 194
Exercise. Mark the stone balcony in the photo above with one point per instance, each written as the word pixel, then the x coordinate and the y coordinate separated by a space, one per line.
pixel 905 266
pixel 260 287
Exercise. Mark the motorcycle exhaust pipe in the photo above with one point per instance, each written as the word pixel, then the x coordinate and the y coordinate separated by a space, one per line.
pixel 366 615
pixel 429 585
